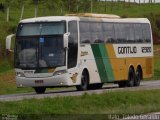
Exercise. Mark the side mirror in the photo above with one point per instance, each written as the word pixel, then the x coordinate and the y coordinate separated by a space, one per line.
pixel 9 41
pixel 65 40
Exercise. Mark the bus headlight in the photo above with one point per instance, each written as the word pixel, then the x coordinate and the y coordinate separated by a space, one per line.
pixel 60 72
pixel 20 74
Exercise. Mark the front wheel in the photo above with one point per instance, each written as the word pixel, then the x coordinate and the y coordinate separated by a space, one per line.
pixel 40 90
pixel 84 81
pixel 95 86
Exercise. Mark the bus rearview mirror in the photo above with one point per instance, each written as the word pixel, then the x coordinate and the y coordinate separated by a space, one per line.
pixel 65 40
pixel 9 41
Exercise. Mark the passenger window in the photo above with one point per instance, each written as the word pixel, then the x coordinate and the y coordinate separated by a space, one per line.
pixel 120 33
pixel 129 33
pixel 108 32
pixel 85 35
pixel 96 32
pixel 138 33
pixel 146 33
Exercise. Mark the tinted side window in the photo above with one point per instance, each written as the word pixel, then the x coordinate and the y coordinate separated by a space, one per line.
pixel 85 35
pixel 138 33
pixel 96 32
pixel 120 33
pixel 129 33
pixel 146 32
pixel 108 32
pixel 73 44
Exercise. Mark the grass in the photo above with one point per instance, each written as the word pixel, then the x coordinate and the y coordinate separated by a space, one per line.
pixel 156 62
pixel 8 84
pixel 134 10
pixel 128 102
pixel 4 66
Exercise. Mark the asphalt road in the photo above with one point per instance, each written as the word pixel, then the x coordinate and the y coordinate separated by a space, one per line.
pixel 147 85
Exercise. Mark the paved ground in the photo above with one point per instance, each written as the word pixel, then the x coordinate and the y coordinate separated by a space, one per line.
pixel 147 85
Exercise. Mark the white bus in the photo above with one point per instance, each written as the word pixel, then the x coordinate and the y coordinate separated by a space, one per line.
pixel 84 50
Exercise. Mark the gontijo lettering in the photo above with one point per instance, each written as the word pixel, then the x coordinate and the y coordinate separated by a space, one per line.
pixel 127 50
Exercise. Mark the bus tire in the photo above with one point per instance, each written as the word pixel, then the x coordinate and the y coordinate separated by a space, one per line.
pixel 138 78
pixel 95 86
pixel 122 84
pixel 84 81
pixel 40 90
pixel 131 78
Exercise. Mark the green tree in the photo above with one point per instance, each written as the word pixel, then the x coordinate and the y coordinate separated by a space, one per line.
pixel 53 4
pixel 15 3
pixel 85 5
pixel 2 1
pixel 71 5
pixel 2 5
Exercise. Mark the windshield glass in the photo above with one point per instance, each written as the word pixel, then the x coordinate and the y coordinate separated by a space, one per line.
pixel 51 52
pixel 43 50
pixel 33 29
pixel 26 53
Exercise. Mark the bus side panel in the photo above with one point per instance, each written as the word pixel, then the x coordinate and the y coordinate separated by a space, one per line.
pixel 102 58
pixel 103 62
pixel 134 56
pixel 118 64
pixel 88 61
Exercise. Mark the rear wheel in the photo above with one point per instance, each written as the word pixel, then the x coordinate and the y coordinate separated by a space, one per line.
pixel 131 78
pixel 138 78
pixel 84 81
pixel 122 84
pixel 40 90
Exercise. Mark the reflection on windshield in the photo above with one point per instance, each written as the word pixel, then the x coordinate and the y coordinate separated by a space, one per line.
pixel 51 52
pixel 26 53
pixel 42 52
pixel 27 58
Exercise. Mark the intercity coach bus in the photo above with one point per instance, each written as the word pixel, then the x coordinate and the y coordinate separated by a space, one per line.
pixel 84 50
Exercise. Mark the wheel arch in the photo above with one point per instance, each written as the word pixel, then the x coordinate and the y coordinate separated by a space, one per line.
pixel 83 84
pixel 87 71
pixel 131 67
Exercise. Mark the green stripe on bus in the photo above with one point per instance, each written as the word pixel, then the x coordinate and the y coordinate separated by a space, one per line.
pixel 99 61
pixel 107 64
pixel 103 63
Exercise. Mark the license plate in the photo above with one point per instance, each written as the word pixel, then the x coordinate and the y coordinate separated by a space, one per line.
pixel 39 81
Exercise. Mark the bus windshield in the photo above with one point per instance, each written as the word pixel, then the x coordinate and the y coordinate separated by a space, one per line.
pixel 33 29
pixel 41 48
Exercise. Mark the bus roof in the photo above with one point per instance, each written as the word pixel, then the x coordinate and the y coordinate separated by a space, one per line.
pixel 49 19
pixel 69 18
pixel 95 15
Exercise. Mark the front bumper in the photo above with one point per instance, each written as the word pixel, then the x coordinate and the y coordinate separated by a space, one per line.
pixel 59 80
